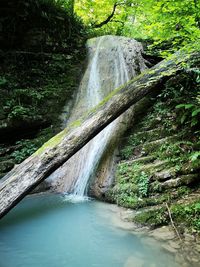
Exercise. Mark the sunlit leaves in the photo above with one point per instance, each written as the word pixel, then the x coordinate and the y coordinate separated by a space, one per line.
pixel 173 20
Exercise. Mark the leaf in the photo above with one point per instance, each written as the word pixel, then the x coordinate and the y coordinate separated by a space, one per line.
pixel 183 118
pixel 195 156
pixel 197 207
pixel 188 106
pixel 195 112
pixel 180 106
pixel 194 122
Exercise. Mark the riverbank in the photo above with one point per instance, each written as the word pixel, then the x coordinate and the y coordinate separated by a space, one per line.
pixel 186 251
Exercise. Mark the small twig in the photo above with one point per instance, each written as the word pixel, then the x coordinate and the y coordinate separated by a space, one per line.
pixel 172 222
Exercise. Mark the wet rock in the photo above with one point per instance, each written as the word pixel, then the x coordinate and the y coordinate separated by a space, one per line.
pixel 132 261
pixel 174 244
pixel 173 183
pixel 198 248
pixel 169 248
pixel 150 135
pixel 141 160
pixel 188 237
pixel 165 174
pixel 149 147
pixel 43 187
pixel 181 260
pixel 163 233
pixel 154 166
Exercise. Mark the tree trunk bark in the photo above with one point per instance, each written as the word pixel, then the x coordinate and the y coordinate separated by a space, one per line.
pixel 26 176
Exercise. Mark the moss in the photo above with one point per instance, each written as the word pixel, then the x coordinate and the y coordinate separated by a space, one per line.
pixel 103 102
pixel 75 124
pixel 52 142
pixel 150 135
pixel 58 138
pixel 153 218
pixel 188 213
pixel 188 179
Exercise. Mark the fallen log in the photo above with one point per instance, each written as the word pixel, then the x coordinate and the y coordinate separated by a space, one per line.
pixel 26 176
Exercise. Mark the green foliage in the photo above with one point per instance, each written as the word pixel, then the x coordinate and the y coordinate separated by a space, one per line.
pixel 126 152
pixel 195 156
pixel 19 112
pixel 183 190
pixel 3 81
pixel 187 213
pixel 143 184
pixel 37 87
pixel 136 186
pixel 26 149
pixel 189 114
pixel 153 218
pixel 132 185
pixel 45 25
pixel 126 200
pixel 170 24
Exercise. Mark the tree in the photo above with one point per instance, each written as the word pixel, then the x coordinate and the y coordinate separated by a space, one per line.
pixel 176 22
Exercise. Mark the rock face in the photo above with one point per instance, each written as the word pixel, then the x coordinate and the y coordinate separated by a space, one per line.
pixel 112 61
pixel 25 177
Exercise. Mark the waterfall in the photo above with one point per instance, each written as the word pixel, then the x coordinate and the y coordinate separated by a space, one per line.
pixel 112 61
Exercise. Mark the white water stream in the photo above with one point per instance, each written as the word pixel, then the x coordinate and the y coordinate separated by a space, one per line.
pixel 112 61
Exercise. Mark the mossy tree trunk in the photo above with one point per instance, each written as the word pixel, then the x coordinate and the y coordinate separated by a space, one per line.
pixel 26 176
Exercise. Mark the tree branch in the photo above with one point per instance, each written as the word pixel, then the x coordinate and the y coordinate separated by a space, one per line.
pixel 99 25
pixel 172 222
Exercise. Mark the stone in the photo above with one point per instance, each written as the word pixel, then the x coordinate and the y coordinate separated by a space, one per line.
pixel 173 183
pixel 141 160
pixel 132 261
pixel 174 244
pixel 169 248
pixel 165 174
pixel 163 233
pixel 197 247
pixel 188 237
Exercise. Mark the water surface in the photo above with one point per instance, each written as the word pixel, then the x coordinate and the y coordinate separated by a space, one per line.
pixel 48 231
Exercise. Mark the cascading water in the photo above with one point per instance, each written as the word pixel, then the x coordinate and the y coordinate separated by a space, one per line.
pixel 113 61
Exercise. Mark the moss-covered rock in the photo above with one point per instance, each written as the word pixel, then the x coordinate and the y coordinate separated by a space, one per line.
pixel 173 183
pixel 152 218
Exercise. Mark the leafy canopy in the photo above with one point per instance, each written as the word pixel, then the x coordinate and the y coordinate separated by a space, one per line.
pixel 175 22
